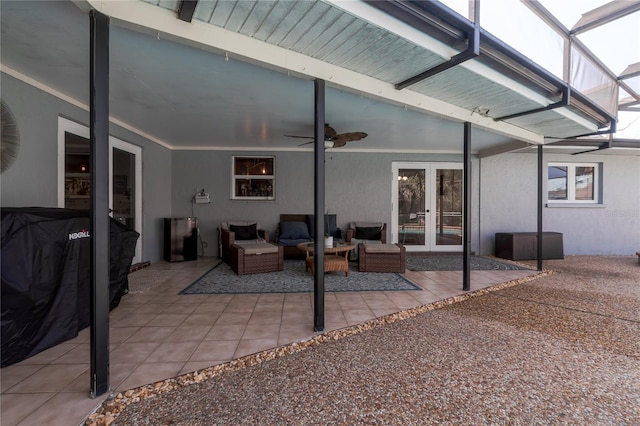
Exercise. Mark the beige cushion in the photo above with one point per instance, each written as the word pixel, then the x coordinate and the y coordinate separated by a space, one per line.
pixel 353 255
pixel 251 247
pixel 381 248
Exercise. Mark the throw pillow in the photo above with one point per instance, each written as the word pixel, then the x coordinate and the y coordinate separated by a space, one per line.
pixel 294 231
pixel 369 233
pixel 247 232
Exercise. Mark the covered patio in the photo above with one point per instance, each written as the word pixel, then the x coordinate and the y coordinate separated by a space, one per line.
pixel 243 92
pixel 157 334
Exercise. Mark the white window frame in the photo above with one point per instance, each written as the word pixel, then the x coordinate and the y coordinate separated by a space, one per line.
pixel 257 176
pixel 571 183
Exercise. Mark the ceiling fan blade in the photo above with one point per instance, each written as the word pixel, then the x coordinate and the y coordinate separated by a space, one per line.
pixel 337 142
pixel 332 138
pixel 329 132
pixel 301 137
pixel 350 137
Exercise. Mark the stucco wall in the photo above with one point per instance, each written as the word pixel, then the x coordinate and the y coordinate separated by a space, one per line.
pixel 509 203
pixel 358 187
pixel 32 178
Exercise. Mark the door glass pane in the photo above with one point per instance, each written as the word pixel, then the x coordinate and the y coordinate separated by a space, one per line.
pixel 77 177
pixel 448 207
pixel 557 183
pixel 584 183
pixel 124 186
pixel 411 207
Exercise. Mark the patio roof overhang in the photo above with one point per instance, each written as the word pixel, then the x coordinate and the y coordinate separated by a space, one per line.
pixel 369 48
pixel 494 54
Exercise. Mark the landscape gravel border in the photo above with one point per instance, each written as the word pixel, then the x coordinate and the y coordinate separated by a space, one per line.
pixel 106 413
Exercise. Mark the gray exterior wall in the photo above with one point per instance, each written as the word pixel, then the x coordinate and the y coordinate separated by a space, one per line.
pixel 357 188
pixel 509 203
pixel 32 179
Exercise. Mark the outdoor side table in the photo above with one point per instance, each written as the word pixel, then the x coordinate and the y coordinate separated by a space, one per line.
pixel 382 258
pixel 256 258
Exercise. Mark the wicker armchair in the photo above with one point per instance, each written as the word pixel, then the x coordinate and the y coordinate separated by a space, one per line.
pixel 245 231
pixel 365 233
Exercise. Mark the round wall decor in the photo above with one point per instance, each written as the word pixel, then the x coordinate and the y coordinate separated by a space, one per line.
pixel 9 137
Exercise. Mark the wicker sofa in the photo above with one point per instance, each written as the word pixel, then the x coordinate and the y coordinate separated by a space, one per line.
pixel 294 229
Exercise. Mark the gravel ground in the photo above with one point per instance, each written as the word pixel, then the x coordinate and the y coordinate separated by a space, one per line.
pixel 560 349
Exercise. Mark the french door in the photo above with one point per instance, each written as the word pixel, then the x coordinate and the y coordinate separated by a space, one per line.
pixel 427 206
pixel 125 176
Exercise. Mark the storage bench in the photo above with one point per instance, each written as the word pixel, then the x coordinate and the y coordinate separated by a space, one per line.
pixel 524 245
pixel 256 258
pixel 381 258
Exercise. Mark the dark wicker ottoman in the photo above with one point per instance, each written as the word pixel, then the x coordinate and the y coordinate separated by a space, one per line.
pixel 256 258
pixel 382 258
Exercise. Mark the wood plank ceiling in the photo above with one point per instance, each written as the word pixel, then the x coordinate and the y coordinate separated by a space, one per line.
pixel 326 32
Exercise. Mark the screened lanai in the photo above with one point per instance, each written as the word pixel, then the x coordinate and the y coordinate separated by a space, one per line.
pixel 378 63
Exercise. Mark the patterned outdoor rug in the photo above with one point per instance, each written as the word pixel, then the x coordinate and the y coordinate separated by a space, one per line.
pixel 293 279
pixel 453 262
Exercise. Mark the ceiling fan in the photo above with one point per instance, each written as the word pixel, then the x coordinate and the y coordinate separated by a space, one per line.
pixel 332 138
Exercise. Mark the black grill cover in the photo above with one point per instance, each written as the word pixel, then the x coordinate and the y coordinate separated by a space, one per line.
pixel 45 267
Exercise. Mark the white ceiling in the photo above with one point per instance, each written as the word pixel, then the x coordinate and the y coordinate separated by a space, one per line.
pixel 187 97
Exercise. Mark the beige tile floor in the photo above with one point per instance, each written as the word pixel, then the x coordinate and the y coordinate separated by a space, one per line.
pixel 157 334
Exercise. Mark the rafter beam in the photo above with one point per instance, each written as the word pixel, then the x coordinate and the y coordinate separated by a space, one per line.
pixel 604 14
pixel 187 9
pixel 631 71
pixel 472 51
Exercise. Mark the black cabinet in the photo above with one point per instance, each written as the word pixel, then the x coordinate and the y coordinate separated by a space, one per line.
pixel 180 239
pixel 524 245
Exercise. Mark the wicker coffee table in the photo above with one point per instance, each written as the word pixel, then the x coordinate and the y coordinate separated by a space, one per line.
pixel 336 257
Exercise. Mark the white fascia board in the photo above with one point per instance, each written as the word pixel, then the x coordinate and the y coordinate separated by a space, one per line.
pixel 155 20
pixel 73 101
pixel 374 16
pixel 378 18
